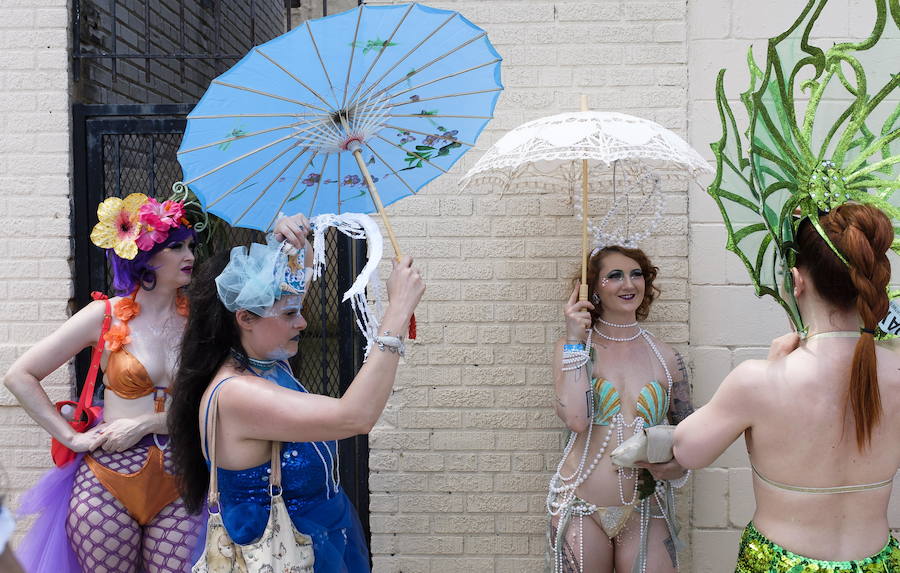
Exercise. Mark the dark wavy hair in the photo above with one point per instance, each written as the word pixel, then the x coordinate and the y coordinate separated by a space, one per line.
pixel 128 274
pixel 595 262
pixel 863 235
pixel 211 333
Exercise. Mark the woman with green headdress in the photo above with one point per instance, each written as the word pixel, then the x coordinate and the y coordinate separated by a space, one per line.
pixel 809 210
pixel 820 417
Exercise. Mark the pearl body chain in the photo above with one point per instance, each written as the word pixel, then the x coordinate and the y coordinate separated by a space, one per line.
pixel 562 501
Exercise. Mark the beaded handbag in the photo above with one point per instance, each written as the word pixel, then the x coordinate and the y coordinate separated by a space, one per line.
pixel 280 548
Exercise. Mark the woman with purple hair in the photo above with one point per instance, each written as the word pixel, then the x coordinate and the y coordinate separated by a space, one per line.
pixel 117 508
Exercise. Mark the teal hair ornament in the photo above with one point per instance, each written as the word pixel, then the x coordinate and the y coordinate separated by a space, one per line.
pixel 824 129
pixel 256 277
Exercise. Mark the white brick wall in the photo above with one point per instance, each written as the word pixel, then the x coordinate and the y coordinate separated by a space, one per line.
pixel 35 277
pixel 460 458
pixel 463 454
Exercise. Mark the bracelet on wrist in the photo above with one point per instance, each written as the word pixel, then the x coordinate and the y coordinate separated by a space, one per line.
pixel 574 359
pixel 573 347
pixel 389 343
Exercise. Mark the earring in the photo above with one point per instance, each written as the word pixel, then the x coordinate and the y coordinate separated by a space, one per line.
pixel 595 298
pixel 148 279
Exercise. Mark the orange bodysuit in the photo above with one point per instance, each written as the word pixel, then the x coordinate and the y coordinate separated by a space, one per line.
pixel 145 492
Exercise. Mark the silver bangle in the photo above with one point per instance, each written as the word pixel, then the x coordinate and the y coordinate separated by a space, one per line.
pixel 391 343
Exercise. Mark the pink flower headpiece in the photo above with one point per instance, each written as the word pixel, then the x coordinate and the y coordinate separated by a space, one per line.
pixel 136 222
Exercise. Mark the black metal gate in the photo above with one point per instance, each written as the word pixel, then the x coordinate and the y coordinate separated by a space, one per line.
pixel 121 149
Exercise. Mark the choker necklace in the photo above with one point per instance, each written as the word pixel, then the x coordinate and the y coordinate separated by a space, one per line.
pixel 252 362
pixel 614 325
pixel 835 334
pixel 614 339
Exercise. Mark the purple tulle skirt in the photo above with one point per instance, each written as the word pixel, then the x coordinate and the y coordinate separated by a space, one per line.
pixel 46 547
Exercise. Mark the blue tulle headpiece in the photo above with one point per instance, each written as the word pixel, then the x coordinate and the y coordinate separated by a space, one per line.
pixel 254 279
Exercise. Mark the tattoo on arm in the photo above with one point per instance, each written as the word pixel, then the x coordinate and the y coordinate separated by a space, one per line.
pixel 681 365
pixel 561 403
pixel 588 400
pixel 681 406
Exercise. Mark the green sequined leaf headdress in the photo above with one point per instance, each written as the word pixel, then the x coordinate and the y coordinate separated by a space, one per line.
pixel 824 129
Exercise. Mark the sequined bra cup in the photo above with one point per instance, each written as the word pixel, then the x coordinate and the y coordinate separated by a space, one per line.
pixel 652 402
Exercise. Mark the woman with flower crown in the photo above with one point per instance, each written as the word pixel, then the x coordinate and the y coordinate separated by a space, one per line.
pixel 613 379
pixel 116 507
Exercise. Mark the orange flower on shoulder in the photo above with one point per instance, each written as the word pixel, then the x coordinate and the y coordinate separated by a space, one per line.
pixel 181 303
pixel 126 309
pixel 117 336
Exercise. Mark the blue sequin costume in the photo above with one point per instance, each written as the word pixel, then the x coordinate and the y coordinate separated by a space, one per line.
pixel 315 501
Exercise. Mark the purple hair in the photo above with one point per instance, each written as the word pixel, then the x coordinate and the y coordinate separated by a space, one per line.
pixel 129 274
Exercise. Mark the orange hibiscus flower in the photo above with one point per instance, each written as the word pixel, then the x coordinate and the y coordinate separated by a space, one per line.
pixel 117 336
pixel 126 309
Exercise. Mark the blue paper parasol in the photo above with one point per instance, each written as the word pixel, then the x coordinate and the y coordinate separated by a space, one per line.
pixel 311 121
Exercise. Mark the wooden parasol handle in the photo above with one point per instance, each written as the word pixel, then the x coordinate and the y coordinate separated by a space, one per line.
pixel 373 192
pixel 583 289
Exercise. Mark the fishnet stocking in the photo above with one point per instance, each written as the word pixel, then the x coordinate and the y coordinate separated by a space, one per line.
pixel 569 562
pixel 170 538
pixel 106 538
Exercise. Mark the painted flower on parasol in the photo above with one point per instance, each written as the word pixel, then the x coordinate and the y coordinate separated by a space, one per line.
pixel 569 150
pixel 311 121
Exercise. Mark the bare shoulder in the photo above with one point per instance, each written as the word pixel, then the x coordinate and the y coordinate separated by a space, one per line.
pixel 238 390
pixel 674 359
pixel 889 366
pixel 84 326
pixel 746 380
pixel 752 371
pixel 94 311
pixel 889 349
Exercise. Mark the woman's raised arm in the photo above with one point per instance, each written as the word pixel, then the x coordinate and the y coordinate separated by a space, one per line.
pixel 266 411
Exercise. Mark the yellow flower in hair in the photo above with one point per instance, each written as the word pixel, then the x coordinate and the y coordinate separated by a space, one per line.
pixel 119 225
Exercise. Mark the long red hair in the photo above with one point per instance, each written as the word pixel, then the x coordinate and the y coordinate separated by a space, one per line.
pixel 863 235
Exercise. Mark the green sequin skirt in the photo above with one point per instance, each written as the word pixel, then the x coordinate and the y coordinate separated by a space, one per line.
pixel 759 555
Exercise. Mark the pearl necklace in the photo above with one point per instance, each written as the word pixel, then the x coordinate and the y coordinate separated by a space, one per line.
pixel 614 325
pixel 615 339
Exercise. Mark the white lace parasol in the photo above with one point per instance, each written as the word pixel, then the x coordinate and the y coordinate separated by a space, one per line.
pixel 560 151
pixel 549 150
